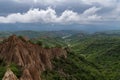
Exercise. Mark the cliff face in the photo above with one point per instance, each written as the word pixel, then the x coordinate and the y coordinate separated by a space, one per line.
pixel 31 57
pixel 9 75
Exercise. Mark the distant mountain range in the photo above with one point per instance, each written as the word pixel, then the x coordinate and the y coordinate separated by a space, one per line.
pixel 56 27
pixel 36 34
pixel 59 33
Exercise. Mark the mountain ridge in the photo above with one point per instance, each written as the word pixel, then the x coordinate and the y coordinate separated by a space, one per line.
pixel 32 58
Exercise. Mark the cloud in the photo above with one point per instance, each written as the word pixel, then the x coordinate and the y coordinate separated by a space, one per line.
pixel 64 12
pixel 106 3
pixel 91 11
pixel 68 16
pixel 50 16
pixel 33 15
pixel 40 1
pixel 89 2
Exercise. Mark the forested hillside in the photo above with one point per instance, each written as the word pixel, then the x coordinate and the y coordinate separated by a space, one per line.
pixel 89 56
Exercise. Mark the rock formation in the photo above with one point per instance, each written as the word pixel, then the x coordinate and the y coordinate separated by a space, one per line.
pixel 9 75
pixel 31 57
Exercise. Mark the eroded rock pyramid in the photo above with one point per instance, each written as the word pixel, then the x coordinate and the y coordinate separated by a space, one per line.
pixel 31 57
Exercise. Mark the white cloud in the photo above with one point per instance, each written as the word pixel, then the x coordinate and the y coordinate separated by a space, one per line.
pixel 106 10
pixel 90 15
pixel 49 16
pixel 101 2
pixel 33 15
pixel 112 15
pixel 68 16
pixel 91 11
pixel 40 1
pixel 94 17
pixel 89 2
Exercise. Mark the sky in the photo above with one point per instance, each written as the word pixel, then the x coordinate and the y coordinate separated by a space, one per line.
pixel 61 12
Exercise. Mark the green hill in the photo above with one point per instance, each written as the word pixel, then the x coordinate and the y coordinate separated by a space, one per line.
pixel 74 67
pixel 104 51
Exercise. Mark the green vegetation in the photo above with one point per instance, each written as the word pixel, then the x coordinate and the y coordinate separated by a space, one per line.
pixel 2 71
pixel 3 68
pixel 104 51
pixel 101 50
pixel 75 67
pixel 16 70
pixel 93 57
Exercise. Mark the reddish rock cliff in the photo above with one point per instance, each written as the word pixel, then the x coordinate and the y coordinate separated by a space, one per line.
pixel 9 75
pixel 31 57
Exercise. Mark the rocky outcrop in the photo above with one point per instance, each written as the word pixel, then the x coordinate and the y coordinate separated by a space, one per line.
pixel 31 57
pixel 26 75
pixel 9 75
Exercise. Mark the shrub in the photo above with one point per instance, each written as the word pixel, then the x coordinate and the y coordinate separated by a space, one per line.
pixel 16 70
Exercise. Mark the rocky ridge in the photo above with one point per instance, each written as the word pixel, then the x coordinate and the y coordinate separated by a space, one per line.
pixel 32 58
